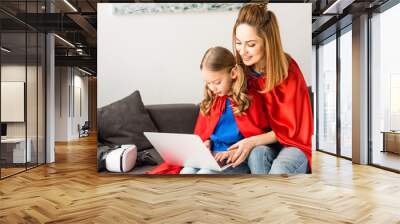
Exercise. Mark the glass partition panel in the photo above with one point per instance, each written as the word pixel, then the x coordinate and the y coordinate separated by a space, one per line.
pixel 385 89
pixel 346 94
pixel 327 97
pixel 32 95
pixel 14 153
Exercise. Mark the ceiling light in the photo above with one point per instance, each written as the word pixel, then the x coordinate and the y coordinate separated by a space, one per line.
pixel 70 5
pixel 64 40
pixel 84 71
pixel 337 7
pixel 5 50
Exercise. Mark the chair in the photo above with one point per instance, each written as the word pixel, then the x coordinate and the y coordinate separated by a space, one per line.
pixel 84 130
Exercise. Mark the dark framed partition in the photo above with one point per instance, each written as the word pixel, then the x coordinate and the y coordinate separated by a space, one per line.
pixel 328 80
pixel 316 97
pixel 338 96
pixel 326 95
pixel 384 87
pixel 344 102
pixel 22 63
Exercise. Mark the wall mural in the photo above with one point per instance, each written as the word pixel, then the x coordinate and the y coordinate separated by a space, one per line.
pixel 148 8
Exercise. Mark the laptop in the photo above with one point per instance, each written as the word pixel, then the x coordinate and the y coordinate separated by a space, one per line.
pixel 187 150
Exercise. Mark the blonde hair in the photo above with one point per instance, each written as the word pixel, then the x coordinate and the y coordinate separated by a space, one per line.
pixel 219 59
pixel 266 25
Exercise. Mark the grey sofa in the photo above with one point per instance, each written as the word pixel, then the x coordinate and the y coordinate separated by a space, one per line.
pixel 171 118
pixel 174 118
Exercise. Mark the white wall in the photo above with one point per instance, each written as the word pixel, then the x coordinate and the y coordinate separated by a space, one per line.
pixel 296 33
pixel 80 82
pixel 67 80
pixel 159 54
pixel 61 103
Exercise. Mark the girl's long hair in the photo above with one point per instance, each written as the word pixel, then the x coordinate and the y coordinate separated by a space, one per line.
pixel 266 25
pixel 221 59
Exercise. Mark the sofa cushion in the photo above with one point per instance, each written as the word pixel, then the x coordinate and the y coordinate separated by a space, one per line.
pixel 124 121
pixel 174 118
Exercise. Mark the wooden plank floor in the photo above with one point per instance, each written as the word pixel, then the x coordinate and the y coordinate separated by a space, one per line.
pixel 71 191
pixel 10 171
pixel 387 159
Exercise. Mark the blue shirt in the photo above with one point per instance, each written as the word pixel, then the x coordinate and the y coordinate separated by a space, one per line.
pixel 255 73
pixel 226 133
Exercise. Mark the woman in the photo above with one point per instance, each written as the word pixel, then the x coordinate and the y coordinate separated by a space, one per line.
pixel 258 48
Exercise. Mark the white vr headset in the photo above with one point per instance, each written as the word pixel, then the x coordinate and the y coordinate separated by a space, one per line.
pixel 122 159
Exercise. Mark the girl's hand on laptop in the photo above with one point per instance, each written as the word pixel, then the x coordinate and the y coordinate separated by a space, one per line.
pixel 221 156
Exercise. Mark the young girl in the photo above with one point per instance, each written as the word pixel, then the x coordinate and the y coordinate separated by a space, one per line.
pixel 228 112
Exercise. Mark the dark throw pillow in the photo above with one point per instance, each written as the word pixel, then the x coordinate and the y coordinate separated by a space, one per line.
pixel 124 121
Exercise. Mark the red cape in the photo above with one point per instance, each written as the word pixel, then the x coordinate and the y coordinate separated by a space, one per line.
pixel 165 168
pixel 289 110
pixel 252 122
